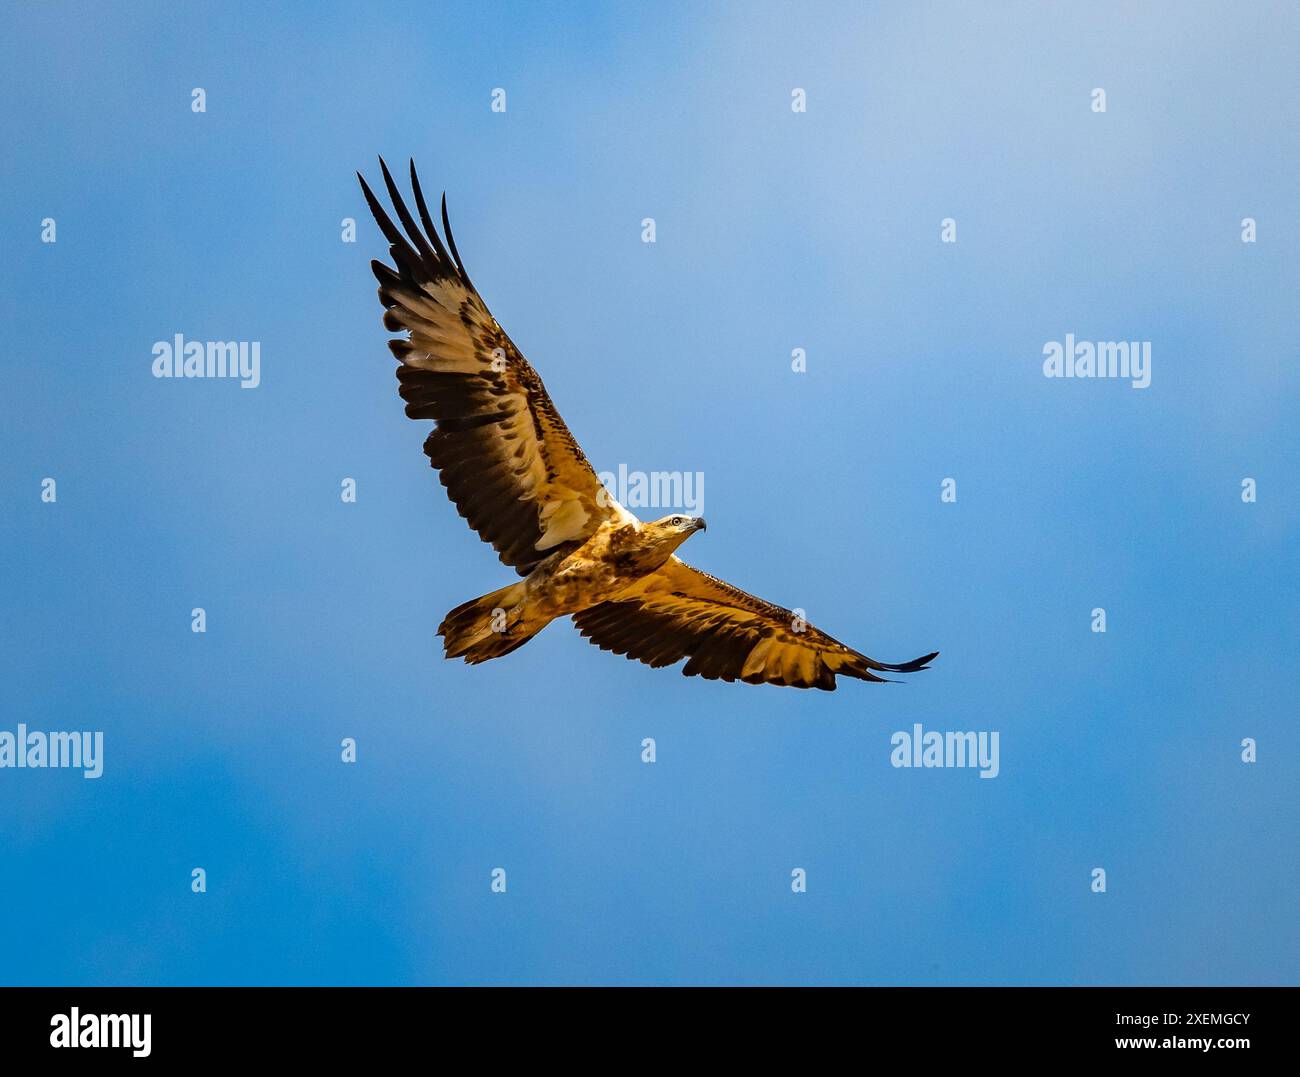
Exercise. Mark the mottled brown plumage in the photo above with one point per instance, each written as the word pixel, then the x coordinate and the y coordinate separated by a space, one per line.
pixel 516 474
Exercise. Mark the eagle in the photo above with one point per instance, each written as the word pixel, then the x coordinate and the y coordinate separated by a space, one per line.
pixel 520 479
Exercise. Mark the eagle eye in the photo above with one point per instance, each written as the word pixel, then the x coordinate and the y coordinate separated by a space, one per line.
pixel 676 521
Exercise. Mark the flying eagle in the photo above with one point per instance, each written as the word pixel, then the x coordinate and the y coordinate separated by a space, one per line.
pixel 519 478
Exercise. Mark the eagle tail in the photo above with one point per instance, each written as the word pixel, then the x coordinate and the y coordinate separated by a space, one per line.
pixel 489 627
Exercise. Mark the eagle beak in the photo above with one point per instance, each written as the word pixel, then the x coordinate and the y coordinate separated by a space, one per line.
pixel 700 525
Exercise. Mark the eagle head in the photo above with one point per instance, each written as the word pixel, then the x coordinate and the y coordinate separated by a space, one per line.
pixel 672 531
pixel 680 525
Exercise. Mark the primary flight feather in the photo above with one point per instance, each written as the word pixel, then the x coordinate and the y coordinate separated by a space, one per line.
pixel 517 475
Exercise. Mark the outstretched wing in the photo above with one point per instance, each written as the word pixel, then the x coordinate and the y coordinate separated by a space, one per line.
pixel 679 612
pixel 505 456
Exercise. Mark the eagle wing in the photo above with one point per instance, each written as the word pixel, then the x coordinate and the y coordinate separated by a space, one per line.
pixel 679 612
pixel 508 462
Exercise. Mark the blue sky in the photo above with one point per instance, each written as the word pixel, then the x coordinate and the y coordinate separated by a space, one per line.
pixel 775 230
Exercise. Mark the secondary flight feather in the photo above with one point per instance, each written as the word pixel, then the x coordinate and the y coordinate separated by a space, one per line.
pixel 518 476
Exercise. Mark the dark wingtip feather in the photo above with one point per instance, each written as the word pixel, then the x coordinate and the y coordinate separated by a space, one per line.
pixel 417 238
pixel 385 275
pixel 381 218
pixel 914 666
pixel 425 218
pixel 451 240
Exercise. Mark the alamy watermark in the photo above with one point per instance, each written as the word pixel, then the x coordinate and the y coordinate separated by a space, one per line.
pixel 34 749
pixel 656 489
pixel 919 748
pixel 1130 359
pixel 181 358
pixel 77 1029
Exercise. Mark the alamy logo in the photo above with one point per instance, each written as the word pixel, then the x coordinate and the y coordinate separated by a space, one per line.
pixel 76 1029
pixel 656 489
pixel 934 749
pixel 83 751
pixel 1129 359
pixel 181 358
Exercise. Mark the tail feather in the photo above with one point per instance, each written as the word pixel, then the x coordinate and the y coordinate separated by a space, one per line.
pixel 488 627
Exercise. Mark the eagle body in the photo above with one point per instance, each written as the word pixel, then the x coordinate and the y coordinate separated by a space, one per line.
pixel 615 557
pixel 604 568
pixel 520 479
